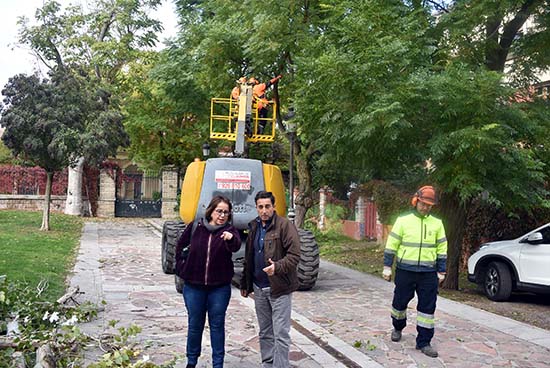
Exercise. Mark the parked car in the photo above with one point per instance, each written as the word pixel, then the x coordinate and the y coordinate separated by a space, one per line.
pixel 521 264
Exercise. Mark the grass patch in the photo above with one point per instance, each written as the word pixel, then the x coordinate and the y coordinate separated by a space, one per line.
pixel 30 255
pixel 359 255
pixel 368 257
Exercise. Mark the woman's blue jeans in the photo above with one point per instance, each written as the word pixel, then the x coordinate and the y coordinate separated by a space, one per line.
pixel 199 301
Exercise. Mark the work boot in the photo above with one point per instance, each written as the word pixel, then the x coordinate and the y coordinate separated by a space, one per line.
pixel 428 350
pixel 395 335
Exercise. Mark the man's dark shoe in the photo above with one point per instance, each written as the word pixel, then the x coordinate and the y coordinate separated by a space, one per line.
pixel 428 350
pixel 395 335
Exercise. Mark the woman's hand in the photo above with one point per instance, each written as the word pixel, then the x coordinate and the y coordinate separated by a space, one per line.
pixel 226 235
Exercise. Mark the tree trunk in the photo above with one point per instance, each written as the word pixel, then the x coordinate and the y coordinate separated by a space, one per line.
pixel 453 214
pixel 73 203
pixel 502 31
pixel 46 213
pixel 304 199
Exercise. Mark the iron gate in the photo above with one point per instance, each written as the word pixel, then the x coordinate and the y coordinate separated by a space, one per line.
pixel 138 193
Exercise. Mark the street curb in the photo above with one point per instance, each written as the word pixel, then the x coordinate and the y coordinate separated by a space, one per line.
pixel 300 340
pixel 360 359
pixel 321 356
pixel 520 330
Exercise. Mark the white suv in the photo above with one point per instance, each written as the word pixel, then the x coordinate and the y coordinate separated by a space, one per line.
pixel 521 264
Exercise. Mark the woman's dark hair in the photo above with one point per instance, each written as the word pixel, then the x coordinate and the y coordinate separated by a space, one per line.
pixel 214 203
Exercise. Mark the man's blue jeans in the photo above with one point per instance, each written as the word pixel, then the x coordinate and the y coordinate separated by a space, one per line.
pixel 199 301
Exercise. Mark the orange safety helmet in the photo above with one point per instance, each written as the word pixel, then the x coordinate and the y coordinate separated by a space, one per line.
pixel 253 80
pixel 425 194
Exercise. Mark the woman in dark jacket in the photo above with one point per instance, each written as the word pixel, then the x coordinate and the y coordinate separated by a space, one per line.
pixel 207 274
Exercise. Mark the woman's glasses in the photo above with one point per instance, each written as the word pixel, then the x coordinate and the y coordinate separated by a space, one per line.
pixel 222 212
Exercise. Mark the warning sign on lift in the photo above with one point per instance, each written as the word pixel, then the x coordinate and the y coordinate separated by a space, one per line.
pixel 229 179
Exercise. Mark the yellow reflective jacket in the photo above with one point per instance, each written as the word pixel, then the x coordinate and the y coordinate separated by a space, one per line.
pixel 418 242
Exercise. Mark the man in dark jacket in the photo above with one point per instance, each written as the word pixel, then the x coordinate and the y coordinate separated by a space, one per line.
pixel 270 272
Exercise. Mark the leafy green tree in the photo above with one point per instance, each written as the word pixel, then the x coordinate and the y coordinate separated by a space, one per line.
pixel 226 40
pixel 346 78
pixel 5 154
pixel 491 33
pixel 506 134
pixel 407 92
pixel 404 108
pixel 166 112
pixel 103 39
pixel 479 144
pixel 52 122
pixel 97 44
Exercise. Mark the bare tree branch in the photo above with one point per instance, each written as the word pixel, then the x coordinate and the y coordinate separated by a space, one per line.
pixel 438 6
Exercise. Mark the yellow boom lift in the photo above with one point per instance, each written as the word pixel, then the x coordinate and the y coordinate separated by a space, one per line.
pixel 237 178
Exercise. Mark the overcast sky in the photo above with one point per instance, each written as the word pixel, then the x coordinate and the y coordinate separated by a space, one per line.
pixel 14 59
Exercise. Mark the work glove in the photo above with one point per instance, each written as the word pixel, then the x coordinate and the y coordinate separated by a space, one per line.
pixel 386 273
pixel 440 277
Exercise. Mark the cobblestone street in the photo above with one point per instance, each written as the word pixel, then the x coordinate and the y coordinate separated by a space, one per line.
pixel 343 322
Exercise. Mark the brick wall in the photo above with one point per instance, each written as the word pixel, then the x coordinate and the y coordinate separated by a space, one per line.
pixel 169 192
pixel 36 203
pixel 30 202
pixel 107 195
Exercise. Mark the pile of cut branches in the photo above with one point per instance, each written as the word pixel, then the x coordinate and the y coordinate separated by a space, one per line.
pixel 35 332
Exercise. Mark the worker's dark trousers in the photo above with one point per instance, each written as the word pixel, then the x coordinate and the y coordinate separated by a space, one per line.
pixel 425 285
pixel 262 114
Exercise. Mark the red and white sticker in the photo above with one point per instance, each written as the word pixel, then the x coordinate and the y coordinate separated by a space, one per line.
pixel 229 179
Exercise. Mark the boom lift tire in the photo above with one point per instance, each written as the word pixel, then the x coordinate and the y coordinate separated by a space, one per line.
pixel 171 231
pixel 308 267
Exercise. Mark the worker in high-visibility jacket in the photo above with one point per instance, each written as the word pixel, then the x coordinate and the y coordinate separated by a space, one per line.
pixel 418 243
pixel 259 90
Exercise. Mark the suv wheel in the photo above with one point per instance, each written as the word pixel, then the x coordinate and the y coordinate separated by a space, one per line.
pixel 497 281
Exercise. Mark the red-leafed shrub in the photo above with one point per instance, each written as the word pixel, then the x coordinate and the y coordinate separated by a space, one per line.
pixel 90 187
pixel 30 180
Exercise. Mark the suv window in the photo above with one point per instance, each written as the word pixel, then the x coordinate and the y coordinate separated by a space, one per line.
pixel 545 234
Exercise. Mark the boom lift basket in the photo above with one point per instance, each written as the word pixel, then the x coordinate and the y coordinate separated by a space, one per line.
pixel 224 114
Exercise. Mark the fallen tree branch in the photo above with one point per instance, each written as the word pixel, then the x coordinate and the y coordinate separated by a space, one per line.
pixel 45 357
pixel 69 295
pixel 6 342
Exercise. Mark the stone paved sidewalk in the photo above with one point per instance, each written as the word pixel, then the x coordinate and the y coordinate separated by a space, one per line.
pixel 356 308
pixel 119 261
